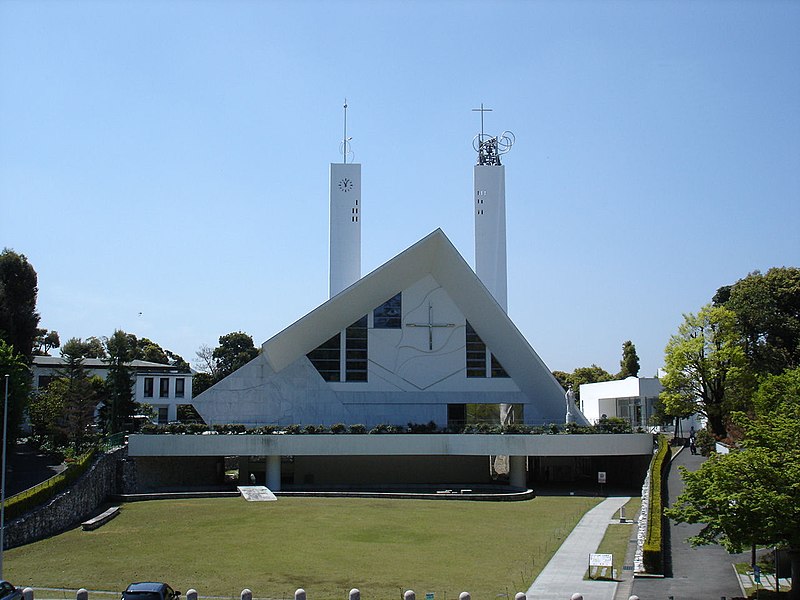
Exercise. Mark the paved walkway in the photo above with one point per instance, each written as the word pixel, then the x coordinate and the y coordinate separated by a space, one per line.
pixel 563 575
pixel 702 572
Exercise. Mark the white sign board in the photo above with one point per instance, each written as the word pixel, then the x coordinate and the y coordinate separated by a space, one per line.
pixel 601 477
pixel 256 493
pixel 601 560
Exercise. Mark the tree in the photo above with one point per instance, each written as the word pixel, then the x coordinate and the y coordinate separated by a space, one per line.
pixel 118 406
pixel 751 496
pixel 767 308
pixel 80 395
pixel 19 320
pixel 629 365
pixel 94 348
pixel 13 364
pixel 45 341
pixel 234 351
pixel 581 375
pixel 706 368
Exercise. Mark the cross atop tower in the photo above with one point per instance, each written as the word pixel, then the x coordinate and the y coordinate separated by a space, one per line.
pixel 344 147
pixel 481 110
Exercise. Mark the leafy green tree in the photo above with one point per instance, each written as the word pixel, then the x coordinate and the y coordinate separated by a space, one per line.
pixel 94 348
pixel 706 368
pixel 118 406
pixel 750 496
pixel 234 351
pixel 45 341
pixel 778 393
pixel 13 364
pixel 201 382
pixel 19 320
pixel 581 375
pixel 767 307
pixel 46 411
pixel 629 365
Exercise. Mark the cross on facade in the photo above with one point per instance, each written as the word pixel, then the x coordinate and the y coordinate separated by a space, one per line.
pixel 430 325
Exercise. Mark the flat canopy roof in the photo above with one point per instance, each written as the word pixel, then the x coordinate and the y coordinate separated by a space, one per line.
pixel 406 444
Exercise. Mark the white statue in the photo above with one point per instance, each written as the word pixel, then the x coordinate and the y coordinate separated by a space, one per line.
pixel 571 408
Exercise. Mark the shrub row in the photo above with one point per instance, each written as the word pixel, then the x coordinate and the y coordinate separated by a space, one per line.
pixel 19 504
pixel 652 549
pixel 604 426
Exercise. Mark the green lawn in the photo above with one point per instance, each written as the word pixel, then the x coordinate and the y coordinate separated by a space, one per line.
pixel 615 541
pixel 327 546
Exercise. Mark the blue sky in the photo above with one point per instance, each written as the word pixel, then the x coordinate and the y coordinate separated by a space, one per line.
pixel 171 158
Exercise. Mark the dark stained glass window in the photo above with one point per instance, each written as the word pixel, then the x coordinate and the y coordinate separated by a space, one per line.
pixel 327 357
pixel 389 314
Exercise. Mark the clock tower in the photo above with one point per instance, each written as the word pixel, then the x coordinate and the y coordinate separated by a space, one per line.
pixel 345 219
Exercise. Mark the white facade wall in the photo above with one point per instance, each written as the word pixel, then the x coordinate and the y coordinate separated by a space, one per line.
pixel 165 404
pixel 490 230
pixel 412 376
pixel 598 399
pixel 345 226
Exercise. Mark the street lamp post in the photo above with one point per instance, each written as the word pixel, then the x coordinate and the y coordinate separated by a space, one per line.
pixel 3 479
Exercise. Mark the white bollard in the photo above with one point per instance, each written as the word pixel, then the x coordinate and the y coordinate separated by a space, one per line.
pixel 520 596
pixel 246 594
pixel 27 593
pixel 82 594
pixel 409 595
pixel 464 596
pixel 191 594
pixel 634 598
pixel 576 596
pixel 299 594
pixel 355 594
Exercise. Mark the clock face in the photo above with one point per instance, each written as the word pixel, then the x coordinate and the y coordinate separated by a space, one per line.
pixel 346 185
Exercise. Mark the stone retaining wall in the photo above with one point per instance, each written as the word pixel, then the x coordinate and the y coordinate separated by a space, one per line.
pixel 72 506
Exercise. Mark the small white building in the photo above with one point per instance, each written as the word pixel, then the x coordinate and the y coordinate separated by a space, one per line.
pixel 164 387
pixel 632 399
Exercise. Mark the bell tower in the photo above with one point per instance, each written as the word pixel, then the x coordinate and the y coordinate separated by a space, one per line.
pixel 489 178
pixel 345 218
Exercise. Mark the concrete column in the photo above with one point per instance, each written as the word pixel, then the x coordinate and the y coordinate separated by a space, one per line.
pixel 519 475
pixel 274 473
pixel 172 412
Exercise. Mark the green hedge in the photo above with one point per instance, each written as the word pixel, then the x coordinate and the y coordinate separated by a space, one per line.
pixel 652 551
pixel 18 504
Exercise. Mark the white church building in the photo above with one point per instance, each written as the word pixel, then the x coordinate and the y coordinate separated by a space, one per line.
pixel 417 340
pixel 422 338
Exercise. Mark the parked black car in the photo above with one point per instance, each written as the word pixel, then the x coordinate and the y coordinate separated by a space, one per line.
pixel 9 592
pixel 148 590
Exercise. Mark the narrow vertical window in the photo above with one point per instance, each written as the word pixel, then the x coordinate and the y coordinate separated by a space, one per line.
pixel 180 383
pixel 148 387
pixel 356 352
pixel 163 388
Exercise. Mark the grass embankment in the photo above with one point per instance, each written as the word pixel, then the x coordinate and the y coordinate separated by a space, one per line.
pixel 617 538
pixel 326 546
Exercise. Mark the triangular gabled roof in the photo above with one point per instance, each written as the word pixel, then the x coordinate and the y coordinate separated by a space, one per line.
pixel 433 255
